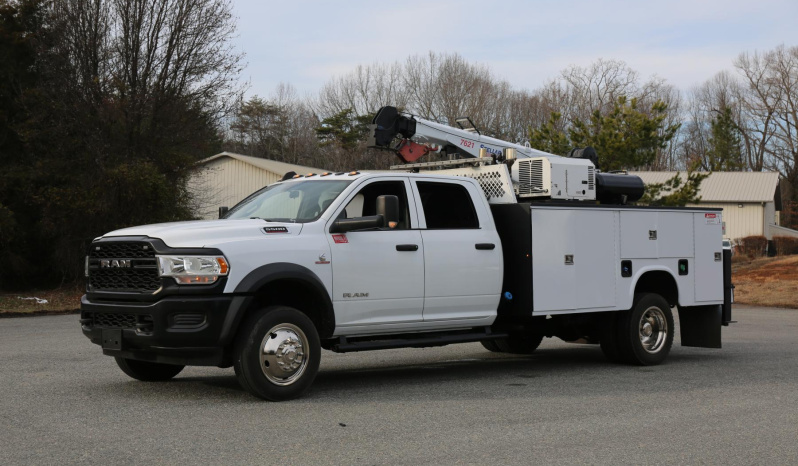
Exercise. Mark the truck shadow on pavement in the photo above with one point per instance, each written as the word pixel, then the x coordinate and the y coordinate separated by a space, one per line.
pixel 573 371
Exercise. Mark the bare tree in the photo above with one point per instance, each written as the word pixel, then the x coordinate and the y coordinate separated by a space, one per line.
pixel 282 127
pixel 597 87
pixel 364 90
pixel 771 106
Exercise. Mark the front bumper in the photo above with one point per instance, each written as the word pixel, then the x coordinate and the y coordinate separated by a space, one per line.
pixel 186 330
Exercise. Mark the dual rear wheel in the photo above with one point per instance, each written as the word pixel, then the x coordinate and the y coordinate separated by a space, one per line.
pixel 642 335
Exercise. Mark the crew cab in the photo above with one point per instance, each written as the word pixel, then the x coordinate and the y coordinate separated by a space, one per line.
pixel 357 261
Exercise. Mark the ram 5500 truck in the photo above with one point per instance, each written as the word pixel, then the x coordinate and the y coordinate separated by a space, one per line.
pixel 468 251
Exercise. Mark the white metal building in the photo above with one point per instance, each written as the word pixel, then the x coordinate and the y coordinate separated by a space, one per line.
pixel 750 200
pixel 227 178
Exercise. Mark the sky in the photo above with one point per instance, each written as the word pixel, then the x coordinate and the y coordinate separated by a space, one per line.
pixel 527 43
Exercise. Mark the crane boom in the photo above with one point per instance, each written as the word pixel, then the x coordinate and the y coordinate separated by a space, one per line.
pixel 419 137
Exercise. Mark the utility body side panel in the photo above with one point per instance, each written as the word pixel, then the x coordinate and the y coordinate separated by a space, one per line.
pixel 708 258
pixel 577 254
pixel 573 259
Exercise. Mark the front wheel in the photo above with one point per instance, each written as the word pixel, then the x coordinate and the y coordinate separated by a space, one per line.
pixel 278 353
pixel 645 334
pixel 148 371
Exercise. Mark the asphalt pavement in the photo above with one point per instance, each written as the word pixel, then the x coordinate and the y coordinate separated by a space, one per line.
pixel 63 402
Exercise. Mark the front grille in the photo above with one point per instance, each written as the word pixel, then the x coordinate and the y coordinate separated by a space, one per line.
pixel 128 250
pixel 114 320
pixel 139 280
pixel 140 275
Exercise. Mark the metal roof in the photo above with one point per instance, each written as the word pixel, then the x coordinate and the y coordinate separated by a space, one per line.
pixel 273 166
pixel 726 186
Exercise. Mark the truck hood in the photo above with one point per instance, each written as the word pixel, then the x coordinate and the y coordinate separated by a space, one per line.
pixel 208 233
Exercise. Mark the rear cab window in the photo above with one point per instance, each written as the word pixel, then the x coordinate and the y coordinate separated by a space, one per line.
pixel 447 206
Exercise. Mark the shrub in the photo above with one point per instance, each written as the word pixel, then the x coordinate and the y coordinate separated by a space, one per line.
pixel 754 246
pixel 785 245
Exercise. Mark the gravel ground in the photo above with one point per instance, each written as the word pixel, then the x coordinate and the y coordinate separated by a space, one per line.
pixel 63 402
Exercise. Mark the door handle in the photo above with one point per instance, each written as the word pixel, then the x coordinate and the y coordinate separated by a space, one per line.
pixel 486 246
pixel 407 247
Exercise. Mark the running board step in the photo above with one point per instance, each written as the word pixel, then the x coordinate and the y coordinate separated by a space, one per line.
pixel 424 340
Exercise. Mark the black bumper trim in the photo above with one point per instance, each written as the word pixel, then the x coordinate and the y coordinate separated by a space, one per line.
pixel 181 356
pixel 165 340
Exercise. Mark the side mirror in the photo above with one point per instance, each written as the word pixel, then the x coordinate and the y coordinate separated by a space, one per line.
pixel 223 211
pixel 388 207
pixel 342 225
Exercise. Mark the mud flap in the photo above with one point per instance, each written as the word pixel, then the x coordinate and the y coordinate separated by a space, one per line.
pixel 700 325
pixel 728 288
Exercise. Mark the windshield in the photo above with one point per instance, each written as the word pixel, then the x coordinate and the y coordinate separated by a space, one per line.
pixel 295 202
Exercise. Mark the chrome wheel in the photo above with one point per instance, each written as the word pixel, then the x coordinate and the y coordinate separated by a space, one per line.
pixel 653 329
pixel 283 357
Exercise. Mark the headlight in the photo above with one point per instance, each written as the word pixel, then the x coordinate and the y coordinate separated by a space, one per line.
pixel 193 270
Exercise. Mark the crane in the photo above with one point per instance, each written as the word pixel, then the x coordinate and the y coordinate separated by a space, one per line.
pixel 537 174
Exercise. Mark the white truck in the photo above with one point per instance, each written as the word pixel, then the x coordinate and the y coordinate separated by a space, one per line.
pixel 505 248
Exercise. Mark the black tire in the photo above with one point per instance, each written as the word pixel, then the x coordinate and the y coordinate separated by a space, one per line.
pixel 278 353
pixel 148 371
pixel 645 333
pixel 491 346
pixel 520 343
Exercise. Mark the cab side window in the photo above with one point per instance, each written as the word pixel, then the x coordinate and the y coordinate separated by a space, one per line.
pixel 447 206
pixel 364 203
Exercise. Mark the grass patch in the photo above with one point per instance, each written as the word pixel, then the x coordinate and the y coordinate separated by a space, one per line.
pixel 59 301
pixel 766 281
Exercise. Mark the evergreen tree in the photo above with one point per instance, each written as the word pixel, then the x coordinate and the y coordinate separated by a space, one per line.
pixel 549 138
pixel 344 129
pixel 102 115
pixel 626 138
pixel 725 147
pixel 260 129
pixel 674 192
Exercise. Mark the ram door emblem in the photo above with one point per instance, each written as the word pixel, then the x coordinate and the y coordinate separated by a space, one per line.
pixel 356 295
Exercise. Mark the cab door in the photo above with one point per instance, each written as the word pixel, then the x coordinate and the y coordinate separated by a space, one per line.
pixel 378 275
pixel 462 253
